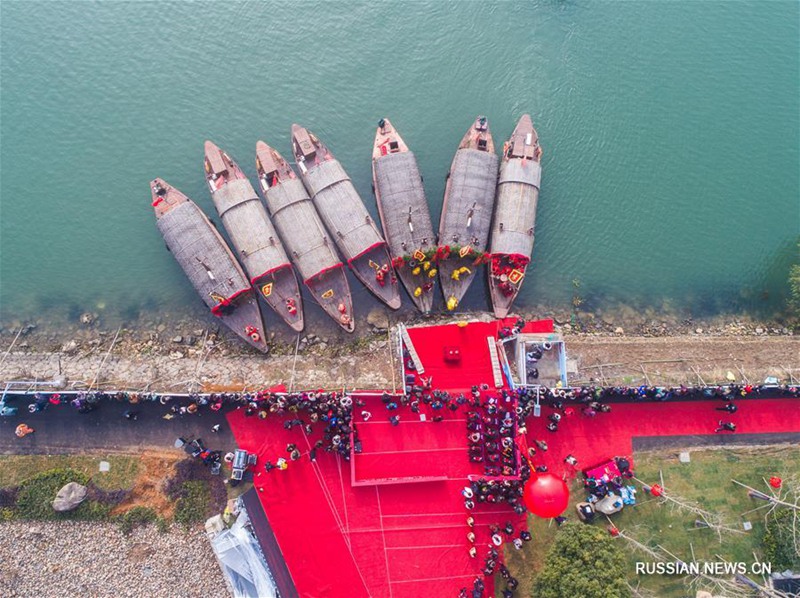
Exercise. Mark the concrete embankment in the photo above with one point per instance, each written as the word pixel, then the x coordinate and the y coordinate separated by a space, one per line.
pixel 372 363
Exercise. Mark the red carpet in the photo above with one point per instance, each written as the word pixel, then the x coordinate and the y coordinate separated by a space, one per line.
pixel 392 536
pixel 593 439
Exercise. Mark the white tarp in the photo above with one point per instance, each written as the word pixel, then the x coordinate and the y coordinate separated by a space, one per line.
pixel 241 561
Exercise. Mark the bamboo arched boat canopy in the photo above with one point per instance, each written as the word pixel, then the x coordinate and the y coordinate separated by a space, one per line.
pixel 304 235
pixel 208 263
pixel 515 215
pixel 467 212
pixel 255 239
pixel 343 212
pixel 404 213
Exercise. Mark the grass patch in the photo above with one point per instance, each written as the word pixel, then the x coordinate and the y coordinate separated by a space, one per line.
pixel 136 517
pixel 14 469
pixel 35 497
pixel 705 481
pixel 192 506
pixel 197 493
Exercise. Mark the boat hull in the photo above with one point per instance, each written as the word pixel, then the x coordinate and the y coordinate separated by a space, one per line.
pixel 467 212
pixel 257 243
pixel 205 258
pixel 345 216
pixel 404 214
pixel 304 235
pixel 514 222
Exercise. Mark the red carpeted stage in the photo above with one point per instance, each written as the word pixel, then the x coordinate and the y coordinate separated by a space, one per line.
pixel 392 522
pixel 418 449
pixel 473 365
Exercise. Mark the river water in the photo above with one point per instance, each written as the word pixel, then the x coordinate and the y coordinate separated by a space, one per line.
pixel 670 130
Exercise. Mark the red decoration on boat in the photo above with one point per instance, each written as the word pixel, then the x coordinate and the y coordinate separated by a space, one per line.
pixel 252 332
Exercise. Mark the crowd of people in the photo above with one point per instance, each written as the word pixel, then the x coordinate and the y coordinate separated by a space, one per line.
pixel 490 437
pixel 497 491
pixel 423 394
pixel 600 487
pixel 585 394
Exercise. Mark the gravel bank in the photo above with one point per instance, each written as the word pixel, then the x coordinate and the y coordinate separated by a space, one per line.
pixel 77 559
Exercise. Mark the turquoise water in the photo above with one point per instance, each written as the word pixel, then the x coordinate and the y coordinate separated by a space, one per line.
pixel 670 134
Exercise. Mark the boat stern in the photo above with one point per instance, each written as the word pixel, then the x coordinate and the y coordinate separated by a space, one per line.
pixel 243 317
pixel 332 291
pixel 303 146
pixel 164 197
pixel 478 136
pixel 215 161
pixel 506 275
pixel 387 140
pixel 374 268
pixel 524 141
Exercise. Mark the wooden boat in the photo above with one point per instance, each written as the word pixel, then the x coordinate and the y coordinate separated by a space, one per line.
pixel 208 262
pixel 345 216
pixel 257 244
pixel 515 215
pixel 403 209
pixel 307 242
pixel 467 212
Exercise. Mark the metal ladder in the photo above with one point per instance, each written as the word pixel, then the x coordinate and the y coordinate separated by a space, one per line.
pixel 497 373
pixel 411 350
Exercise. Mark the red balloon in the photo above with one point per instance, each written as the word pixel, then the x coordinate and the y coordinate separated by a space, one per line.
pixel 775 482
pixel 546 495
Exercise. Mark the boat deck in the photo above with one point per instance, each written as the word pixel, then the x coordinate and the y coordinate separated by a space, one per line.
pixel 404 214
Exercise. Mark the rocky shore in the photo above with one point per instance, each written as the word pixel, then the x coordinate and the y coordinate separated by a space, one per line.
pixel 55 560
pixel 193 354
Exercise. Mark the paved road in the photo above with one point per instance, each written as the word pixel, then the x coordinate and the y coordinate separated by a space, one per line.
pixel 649 443
pixel 60 429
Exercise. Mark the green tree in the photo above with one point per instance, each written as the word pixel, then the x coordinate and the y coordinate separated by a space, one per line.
pixel 794 292
pixel 583 561
pixel 779 541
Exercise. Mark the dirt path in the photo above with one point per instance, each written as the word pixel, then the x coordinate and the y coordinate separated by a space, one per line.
pixel 156 467
pixel 683 359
